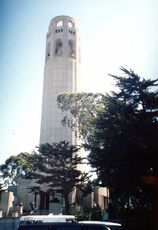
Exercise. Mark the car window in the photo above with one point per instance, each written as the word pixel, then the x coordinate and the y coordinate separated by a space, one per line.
pixel 94 227
pixel 60 226
pixel 34 228
pixel 69 227
pixel 49 227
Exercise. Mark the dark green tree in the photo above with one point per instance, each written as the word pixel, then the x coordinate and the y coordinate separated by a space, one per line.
pixel 123 145
pixel 86 187
pixel 122 137
pixel 83 108
pixel 57 165
pixel 15 167
pixel 2 188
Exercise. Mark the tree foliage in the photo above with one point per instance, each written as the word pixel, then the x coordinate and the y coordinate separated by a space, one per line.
pixel 83 109
pixel 124 146
pixel 56 165
pixel 15 167
pixel 2 188
pixel 121 136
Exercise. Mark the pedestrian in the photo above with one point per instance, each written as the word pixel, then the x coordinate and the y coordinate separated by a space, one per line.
pixel 105 215
pixel 20 208
pixel 33 207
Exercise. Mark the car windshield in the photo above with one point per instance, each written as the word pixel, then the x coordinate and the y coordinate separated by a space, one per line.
pixel 49 227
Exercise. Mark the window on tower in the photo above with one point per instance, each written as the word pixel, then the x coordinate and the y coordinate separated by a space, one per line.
pixel 48 51
pixel 58 30
pixel 70 24
pixel 59 23
pixel 71 49
pixel 59 48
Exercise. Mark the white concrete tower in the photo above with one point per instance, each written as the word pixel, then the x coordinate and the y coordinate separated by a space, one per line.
pixel 61 74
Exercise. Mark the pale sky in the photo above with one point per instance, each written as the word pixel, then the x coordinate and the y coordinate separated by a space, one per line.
pixel 113 33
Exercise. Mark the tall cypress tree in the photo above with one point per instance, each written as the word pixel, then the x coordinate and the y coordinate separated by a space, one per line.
pixel 56 165
pixel 121 135
pixel 124 145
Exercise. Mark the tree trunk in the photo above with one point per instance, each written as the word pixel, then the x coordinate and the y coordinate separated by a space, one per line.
pixel 66 198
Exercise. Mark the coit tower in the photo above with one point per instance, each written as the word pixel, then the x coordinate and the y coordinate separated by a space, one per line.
pixel 61 74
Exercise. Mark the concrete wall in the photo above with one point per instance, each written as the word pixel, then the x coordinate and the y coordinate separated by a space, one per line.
pixel 23 193
pixel 101 195
pixel 6 203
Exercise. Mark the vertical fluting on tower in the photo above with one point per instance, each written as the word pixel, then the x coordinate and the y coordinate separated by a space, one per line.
pixel 61 74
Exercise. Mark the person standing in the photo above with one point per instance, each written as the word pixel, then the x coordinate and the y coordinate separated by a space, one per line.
pixel 33 207
pixel 105 215
pixel 20 208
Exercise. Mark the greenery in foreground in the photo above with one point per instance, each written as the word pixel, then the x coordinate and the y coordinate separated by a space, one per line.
pixel 53 165
pixel 120 131
pixel 57 166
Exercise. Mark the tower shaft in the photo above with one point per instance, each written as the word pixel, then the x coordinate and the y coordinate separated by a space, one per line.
pixel 61 74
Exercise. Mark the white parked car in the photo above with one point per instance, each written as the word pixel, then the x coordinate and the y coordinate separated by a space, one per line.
pixel 56 222
pixel 46 219
pixel 109 224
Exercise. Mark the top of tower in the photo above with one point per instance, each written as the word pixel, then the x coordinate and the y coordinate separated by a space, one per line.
pixel 63 20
